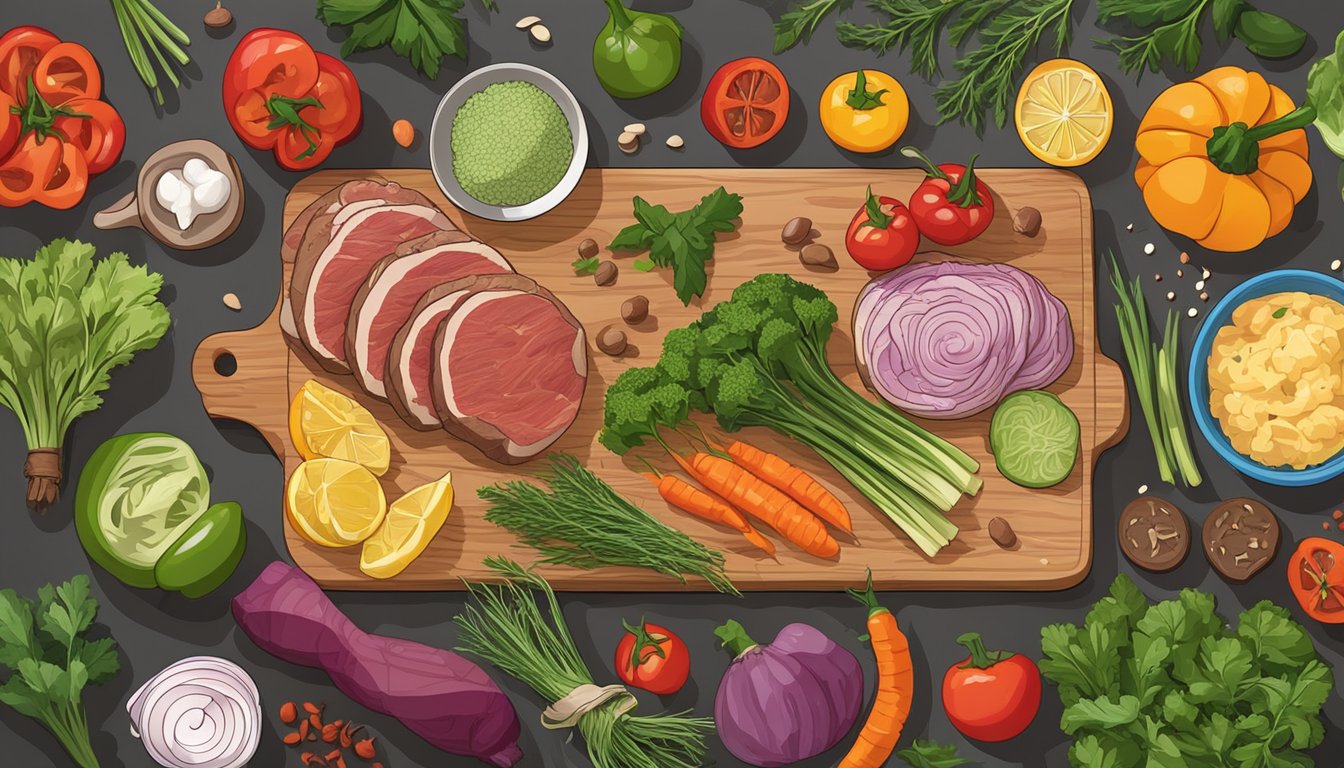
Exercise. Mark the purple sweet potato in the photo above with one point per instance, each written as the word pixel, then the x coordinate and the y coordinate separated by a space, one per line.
pixel 441 696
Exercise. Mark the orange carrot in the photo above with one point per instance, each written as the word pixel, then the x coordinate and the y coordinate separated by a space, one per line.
pixel 762 501
pixel 895 686
pixel 800 486
pixel 688 498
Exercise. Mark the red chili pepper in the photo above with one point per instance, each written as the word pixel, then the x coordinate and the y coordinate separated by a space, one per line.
pixel 952 206
pixel 991 696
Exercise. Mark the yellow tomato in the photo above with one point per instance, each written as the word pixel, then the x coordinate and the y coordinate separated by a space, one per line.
pixel 864 111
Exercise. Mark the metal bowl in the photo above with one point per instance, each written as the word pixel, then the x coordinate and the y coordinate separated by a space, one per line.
pixel 441 150
pixel 1279 281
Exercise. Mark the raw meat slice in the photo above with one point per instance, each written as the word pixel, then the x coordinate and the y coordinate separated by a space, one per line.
pixel 324 283
pixel 410 363
pixel 509 368
pixel 389 294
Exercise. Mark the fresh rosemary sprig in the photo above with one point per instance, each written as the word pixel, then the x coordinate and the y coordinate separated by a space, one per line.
pixel 505 625
pixel 987 79
pixel 912 25
pixel 801 20
pixel 583 523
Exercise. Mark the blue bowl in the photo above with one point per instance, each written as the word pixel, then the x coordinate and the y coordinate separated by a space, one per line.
pixel 1280 281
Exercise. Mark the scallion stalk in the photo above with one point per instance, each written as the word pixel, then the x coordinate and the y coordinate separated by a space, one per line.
pixel 146 31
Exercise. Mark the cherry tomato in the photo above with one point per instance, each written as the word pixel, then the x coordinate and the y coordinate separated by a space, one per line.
pixel 24 175
pixel 652 658
pixel 991 696
pixel 746 103
pixel 1316 577
pixel 9 125
pixel 97 130
pixel 882 234
pixel 69 180
pixel 67 71
pixel 20 50
pixel 952 206
pixel 281 95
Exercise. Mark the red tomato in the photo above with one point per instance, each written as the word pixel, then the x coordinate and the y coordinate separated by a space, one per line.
pixel 24 175
pixel 69 180
pixel 882 235
pixel 991 696
pixel 9 125
pixel 1316 577
pixel 281 95
pixel 746 103
pixel 652 658
pixel 96 129
pixel 67 71
pixel 952 206
pixel 20 50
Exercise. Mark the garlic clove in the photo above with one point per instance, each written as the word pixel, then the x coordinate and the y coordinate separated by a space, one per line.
pixel 197 171
pixel 211 194
pixel 183 208
pixel 168 188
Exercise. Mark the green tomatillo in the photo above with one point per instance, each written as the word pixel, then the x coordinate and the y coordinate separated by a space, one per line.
pixel 636 53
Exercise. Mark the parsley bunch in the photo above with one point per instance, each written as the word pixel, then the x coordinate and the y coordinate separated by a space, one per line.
pixel 51 662
pixel 423 31
pixel 683 241
pixel 1172 684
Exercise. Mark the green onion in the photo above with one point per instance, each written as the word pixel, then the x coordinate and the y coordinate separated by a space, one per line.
pixel 1153 371
pixel 145 31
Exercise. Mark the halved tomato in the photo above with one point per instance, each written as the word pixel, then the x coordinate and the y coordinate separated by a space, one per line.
pixel 746 103
pixel 10 128
pixel 20 50
pixel 28 170
pixel 96 129
pixel 67 71
pixel 68 181
pixel 1316 577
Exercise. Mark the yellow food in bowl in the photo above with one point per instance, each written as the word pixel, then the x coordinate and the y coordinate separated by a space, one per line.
pixel 1276 379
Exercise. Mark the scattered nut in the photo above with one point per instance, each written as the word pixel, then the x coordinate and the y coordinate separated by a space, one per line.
pixel 675 142
pixel 817 255
pixel 1185 257
pixel 588 248
pixel 540 33
pixel 628 142
pixel 1192 312
pixel 1149 249
pixel 637 129
pixel 796 231
pixel 219 16
pixel 606 273
pixel 1002 533
pixel 1180 273
pixel 231 301
pixel 1334 265
pixel 1204 296
pixel 611 340
pixel 635 309
pixel 403 133
pixel 1171 295
pixel 528 21
pixel 1027 221
pixel 1157 278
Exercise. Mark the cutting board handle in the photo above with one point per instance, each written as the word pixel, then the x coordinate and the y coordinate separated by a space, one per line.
pixel 242 375
pixel 1112 404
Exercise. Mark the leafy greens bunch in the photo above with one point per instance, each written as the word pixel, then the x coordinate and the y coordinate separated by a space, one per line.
pixel 422 31
pixel 50 661
pixel 683 241
pixel 759 359
pixel 1173 685
pixel 1169 31
pixel 67 322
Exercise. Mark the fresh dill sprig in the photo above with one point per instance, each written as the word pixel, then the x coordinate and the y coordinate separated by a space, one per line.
pixel 801 20
pixel 987 79
pixel 1171 30
pixel 912 25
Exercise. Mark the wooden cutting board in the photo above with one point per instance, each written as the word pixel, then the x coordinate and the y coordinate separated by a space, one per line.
pixel 1054 526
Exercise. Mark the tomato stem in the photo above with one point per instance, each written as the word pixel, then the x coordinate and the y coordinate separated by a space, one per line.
pixel 964 192
pixel 981 658
pixel 619 16
pixel 1235 148
pixel 868 597
pixel 861 98
pixel 876 217
pixel 285 114
pixel 933 171
pixel 644 639
pixel 38 117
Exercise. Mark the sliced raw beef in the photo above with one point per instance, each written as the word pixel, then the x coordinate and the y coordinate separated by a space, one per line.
pixel 510 365
pixel 410 363
pixel 389 294
pixel 327 277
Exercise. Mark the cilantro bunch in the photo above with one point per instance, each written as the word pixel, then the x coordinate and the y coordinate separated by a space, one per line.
pixel 1172 685
pixel 50 661
pixel 683 241
pixel 421 31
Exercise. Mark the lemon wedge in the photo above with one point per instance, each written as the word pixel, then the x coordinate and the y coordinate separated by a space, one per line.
pixel 326 423
pixel 334 503
pixel 1063 113
pixel 411 523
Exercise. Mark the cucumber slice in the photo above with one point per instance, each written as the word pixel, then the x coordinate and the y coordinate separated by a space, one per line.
pixel 1034 439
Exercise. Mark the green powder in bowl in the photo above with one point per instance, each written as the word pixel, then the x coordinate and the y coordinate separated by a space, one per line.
pixel 511 144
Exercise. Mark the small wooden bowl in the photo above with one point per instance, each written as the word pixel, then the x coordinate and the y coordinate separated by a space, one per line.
pixel 141 209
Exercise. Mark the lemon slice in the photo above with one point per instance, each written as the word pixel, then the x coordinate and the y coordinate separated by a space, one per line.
pixel 334 503
pixel 1064 113
pixel 326 423
pixel 412 522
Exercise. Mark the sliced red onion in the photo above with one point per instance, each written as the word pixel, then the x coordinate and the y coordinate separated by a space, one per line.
pixel 202 712
pixel 948 339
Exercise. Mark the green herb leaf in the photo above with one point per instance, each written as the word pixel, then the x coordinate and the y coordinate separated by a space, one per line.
pixel 931 754
pixel 644 265
pixel 421 31
pixel 635 237
pixel 1325 91
pixel 1146 13
pixel 1225 15
pixel 585 266
pixel 861 98
pixel 1280 312
pixel 912 25
pixel 683 241
pixel 1170 31
pixel 801 20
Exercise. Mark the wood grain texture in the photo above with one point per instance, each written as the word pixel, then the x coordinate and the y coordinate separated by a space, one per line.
pixel 1054 526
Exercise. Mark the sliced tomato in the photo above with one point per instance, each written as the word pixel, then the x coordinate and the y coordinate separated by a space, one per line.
pixel 100 136
pixel 9 125
pixel 746 103
pixel 66 72
pixel 24 175
pixel 69 180
pixel 21 49
pixel 1316 577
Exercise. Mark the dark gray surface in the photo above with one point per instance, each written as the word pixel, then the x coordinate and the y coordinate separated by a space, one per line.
pixel 156 392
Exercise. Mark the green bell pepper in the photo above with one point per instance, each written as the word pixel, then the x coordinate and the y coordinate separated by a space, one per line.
pixel 636 53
